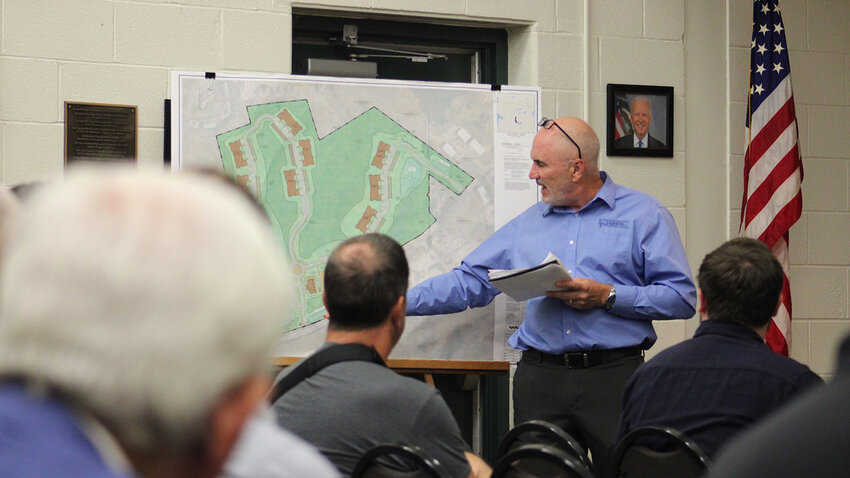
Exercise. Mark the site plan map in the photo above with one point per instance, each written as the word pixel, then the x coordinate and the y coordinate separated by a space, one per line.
pixel 329 159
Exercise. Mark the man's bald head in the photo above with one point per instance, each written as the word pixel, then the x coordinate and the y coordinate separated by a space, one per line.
pixel 565 179
pixel 364 278
pixel 584 136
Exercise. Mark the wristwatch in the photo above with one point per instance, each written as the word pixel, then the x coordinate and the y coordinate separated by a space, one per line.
pixel 612 297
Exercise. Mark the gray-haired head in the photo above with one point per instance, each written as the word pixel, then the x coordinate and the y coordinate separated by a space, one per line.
pixel 141 298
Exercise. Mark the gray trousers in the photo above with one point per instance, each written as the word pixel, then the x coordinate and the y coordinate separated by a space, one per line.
pixel 585 402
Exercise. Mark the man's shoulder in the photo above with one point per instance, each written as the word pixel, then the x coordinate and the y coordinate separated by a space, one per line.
pixel 48 441
pixel 626 141
pixel 655 143
pixel 265 449
pixel 368 378
pixel 790 368
pixel 675 355
pixel 697 353
pixel 788 375
pixel 718 352
pixel 536 210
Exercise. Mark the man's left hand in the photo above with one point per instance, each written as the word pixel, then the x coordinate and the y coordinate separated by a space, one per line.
pixel 581 293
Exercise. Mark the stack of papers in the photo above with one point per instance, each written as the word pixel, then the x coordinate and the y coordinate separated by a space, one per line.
pixel 524 284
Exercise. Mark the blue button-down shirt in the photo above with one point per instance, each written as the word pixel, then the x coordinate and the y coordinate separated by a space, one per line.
pixel 621 237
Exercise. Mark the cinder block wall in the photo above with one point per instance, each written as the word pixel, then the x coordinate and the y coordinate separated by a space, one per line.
pixel 121 52
pixel 819 51
pixel 117 52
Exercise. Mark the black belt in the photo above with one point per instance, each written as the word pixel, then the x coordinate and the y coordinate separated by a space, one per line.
pixel 581 359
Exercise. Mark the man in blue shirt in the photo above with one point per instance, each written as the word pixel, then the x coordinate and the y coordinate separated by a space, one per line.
pixel 725 378
pixel 581 342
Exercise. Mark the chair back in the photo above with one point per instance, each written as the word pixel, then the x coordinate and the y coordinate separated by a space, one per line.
pixel 417 463
pixel 679 457
pixel 543 433
pixel 539 461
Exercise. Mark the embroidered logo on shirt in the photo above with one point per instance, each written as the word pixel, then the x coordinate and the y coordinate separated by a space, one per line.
pixel 614 223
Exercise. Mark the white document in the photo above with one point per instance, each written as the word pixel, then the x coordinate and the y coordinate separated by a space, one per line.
pixel 524 284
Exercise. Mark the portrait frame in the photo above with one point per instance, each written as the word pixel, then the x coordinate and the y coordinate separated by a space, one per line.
pixel 659 133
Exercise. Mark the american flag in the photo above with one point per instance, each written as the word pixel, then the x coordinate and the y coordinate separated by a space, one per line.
pixel 773 169
pixel 622 119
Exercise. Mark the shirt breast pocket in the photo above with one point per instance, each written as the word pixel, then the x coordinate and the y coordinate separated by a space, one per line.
pixel 609 249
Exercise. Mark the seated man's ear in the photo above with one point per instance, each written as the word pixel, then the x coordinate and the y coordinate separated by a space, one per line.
pixel 398 314
pixel 230 415
pixel 702 308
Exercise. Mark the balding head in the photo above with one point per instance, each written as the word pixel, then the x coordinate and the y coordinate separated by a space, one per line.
pixel 584 136
pixel 566 179
pixel 364 278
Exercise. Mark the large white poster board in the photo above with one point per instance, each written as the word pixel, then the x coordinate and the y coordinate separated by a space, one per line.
pixel 436 166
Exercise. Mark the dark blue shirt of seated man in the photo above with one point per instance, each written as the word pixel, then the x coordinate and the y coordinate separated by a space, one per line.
pixel 725 378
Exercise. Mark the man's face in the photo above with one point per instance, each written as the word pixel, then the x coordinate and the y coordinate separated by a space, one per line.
pixel 641 116
pixel 551 172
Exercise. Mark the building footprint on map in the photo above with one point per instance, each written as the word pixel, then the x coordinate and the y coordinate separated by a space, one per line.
pixel 369 175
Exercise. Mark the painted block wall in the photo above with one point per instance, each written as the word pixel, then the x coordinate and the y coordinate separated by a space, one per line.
pixel 117 52
pixel 819 54
pixel 121 52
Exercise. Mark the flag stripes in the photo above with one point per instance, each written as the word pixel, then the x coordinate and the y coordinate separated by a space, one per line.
pixel 773 170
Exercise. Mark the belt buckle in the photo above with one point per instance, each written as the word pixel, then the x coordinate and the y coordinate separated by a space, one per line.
pixel 576 360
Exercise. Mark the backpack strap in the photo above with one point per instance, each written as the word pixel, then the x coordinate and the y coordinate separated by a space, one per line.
pixel 324 358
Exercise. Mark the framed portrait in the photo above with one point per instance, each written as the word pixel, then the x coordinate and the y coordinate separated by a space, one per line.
pixel 640 120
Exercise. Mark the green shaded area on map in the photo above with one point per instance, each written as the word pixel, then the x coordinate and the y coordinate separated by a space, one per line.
pixel 370 175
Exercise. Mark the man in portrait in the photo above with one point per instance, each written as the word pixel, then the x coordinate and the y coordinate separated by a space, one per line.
pixel 641 117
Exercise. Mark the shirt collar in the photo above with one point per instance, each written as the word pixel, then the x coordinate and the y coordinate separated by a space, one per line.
pixel 728 329
pixel 105 444
pixel 607 194
pixel 645 141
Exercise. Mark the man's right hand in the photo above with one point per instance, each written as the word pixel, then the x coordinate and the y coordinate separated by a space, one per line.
pixel 581 293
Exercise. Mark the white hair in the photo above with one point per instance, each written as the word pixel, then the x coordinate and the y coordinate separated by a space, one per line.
pixel 640 98
pixel 142 298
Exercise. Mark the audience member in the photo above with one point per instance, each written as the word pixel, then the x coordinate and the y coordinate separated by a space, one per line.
pixel 725 378
pixel 343 399
pixel 807 438
pixel 265 450
pixel 138 313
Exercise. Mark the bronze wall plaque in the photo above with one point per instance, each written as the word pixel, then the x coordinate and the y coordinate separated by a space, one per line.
pixel 100 133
